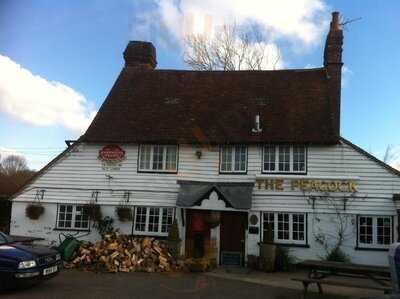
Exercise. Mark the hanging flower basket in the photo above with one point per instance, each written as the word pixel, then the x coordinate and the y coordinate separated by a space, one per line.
pixel 124 213
pixel 213 219
pixel 94 211
pixel 34 211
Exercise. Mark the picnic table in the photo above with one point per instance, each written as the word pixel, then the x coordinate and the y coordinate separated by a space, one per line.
pixel 322 272
pixel 25 239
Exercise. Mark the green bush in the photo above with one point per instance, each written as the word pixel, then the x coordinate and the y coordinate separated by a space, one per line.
pixel 337 255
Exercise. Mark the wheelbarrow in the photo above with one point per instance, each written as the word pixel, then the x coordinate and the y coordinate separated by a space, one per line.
pixel 68 246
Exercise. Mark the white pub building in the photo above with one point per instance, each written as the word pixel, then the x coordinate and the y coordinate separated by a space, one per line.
pixel 246 150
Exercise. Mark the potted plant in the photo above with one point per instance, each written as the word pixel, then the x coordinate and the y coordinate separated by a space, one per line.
pixel 268 250
pixel 213 219
pixel 34 211
pixel 124 213
pixel 93 210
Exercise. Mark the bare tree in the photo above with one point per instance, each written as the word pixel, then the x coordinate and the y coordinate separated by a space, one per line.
pixel 230 49
pixel 392 155
pixel 13 164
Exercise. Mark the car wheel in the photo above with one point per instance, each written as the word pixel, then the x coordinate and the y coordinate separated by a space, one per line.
pixel 5 282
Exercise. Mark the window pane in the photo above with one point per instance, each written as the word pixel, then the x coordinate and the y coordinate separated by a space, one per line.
pixel 226 158
pixel 167 219
pixel 154 218
pixel 170 163
pixel 383 229
pixel 298 227
pixel 269 158
pixel 284 158
pixel 283 226
pixel 65 216
pixel 299 153
pixel 158 152
pixel 240 158
pixel 268 222
pixel 140 219
pixel 366 230
pixel 145 153
pixel 81 218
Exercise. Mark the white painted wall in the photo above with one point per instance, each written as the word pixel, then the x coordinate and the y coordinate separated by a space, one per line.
pixel 73 178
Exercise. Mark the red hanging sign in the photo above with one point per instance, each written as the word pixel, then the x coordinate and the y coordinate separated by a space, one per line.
pixel 111 153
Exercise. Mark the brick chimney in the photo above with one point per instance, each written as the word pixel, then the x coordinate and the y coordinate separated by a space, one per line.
pixel 141 55
pixel 333 65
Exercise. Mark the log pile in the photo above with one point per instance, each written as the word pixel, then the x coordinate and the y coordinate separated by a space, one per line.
pixel 121 253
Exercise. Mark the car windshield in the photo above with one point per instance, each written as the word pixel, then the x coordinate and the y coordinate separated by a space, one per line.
pixel 4 239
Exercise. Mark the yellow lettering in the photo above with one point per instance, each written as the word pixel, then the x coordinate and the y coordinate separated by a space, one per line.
pixel 323 186
pixel 332 186
pixel 295 184
pixel 269 184
pixel 352 187
pixel 305 185
pixel 279 185
pixel 314 185
pixel 259 184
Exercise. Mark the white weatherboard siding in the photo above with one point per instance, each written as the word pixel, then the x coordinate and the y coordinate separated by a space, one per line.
pixel 73 178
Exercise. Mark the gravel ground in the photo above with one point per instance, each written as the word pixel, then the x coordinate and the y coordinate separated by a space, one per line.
pixel 79 284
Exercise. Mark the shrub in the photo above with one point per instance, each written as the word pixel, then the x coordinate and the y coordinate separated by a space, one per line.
pixel 337 255
pixel 124 213
pixel 105 226
pixel 34 211
pixel 94 211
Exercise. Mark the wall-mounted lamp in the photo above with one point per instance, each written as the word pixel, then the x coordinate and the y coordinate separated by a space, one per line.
pixel 199 154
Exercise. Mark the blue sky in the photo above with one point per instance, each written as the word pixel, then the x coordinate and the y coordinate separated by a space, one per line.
pixel 76 49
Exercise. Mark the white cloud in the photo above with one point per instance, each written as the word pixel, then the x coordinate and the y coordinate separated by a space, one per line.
pixel 37 101
pixel 5 152
pixel 301 19
pixel 301 22
pixel 347 73
pixel 393 156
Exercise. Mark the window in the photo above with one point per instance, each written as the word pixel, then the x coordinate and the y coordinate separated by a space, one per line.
pixel 287 228
pixel 284 158
pixel 375 231
pixel 233 159
pixel 153 220
pixel 163 158
pixel 72 217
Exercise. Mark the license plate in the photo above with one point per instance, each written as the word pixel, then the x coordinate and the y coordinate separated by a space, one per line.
pixel 50 270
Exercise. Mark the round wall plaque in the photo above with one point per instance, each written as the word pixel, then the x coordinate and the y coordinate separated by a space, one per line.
pixel 253 219
pixel 111 153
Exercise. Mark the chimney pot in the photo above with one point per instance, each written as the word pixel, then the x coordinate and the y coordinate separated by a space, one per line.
pixel 335 23
pixel 140 54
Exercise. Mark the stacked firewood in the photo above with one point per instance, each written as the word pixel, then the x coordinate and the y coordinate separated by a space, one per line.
pixel 121 253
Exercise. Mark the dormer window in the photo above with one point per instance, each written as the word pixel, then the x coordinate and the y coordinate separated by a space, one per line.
pixel 233 159
pixel 158 158
pixel 284 159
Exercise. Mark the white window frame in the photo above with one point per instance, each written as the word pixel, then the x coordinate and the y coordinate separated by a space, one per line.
pixel 146 231
pixel 73 218
pixel 289 241
pixel 164 158
pixel 374 244
pixel 232 149
pixel 291 157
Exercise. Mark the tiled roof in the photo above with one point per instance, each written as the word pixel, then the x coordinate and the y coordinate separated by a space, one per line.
pixel 174 106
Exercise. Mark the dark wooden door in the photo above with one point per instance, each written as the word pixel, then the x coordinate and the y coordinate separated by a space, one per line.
pixel 232 234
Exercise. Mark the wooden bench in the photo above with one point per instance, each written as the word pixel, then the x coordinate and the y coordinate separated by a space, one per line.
pixel 319 272
pixel 307 281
